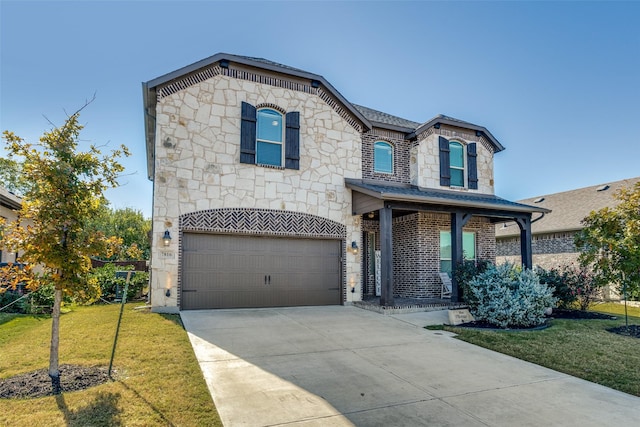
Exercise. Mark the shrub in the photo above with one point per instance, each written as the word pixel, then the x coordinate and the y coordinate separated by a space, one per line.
pixel 509 297
pixel 7 297
pixel 41 300
pixel 465 272
pixel 574 285
pixel 111 285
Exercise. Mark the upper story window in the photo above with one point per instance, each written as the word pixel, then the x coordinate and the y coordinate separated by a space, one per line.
pixel 383 157
pixel 457 162
pixel 268 137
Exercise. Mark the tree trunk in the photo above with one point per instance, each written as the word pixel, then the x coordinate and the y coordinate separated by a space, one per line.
pixel 54 371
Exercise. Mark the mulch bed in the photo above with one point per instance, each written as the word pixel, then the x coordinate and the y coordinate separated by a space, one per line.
pixel 561 313
pixel 633 331
pixel 38 383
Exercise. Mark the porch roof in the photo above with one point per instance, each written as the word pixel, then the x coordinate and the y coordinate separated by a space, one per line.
pixel 376 193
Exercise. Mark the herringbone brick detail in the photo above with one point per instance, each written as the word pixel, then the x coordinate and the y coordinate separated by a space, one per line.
pixel 263 222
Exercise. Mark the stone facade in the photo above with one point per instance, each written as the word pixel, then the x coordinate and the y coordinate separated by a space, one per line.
pixel 194 127
pixel 197 166
pixel 425 165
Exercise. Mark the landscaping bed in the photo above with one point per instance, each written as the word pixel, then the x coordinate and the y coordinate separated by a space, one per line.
pixel 38 383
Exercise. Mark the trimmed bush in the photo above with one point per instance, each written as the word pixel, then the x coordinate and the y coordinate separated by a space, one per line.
pixel 509 297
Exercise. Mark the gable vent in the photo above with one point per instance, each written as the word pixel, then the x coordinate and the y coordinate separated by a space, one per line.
pixel 602 188
pixel 538 200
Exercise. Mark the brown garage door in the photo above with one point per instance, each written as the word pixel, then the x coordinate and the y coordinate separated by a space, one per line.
pixel 227 271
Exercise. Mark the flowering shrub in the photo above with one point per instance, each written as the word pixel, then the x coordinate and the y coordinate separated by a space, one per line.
pixel 509 297
pixel 574 285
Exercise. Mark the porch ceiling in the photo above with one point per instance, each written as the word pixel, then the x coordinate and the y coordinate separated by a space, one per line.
pixel 371 196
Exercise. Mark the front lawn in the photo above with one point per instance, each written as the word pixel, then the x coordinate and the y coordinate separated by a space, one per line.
pixel 582 348
pixel 157 379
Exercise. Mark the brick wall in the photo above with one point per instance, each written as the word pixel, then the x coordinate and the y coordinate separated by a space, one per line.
pixel 549 250
pixel 401 164
pixel 416 251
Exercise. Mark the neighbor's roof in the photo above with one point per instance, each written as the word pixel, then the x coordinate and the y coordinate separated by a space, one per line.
pixel 367 116
pixel 568 208
pixel 413 194
pixel 9 200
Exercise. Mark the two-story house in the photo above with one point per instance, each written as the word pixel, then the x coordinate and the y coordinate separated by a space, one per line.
pixel 271 189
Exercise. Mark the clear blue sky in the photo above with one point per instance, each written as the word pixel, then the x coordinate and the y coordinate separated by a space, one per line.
pixel 557 83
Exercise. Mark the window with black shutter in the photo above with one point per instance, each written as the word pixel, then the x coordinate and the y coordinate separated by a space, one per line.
pixel 266 140
pixel 472 164
pixel 445 172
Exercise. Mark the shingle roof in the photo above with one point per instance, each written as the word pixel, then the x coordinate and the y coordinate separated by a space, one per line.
pixel 376 116
pixel 568 208
pixel 410 193
pixel 273 63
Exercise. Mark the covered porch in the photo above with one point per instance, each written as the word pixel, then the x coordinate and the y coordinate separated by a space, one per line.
pixel 384 204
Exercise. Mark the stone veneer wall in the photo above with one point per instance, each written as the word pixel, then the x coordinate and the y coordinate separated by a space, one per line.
pixel 401 155
pixel 425 158
pixel 416 251
pixel 197 167
pixel 549 250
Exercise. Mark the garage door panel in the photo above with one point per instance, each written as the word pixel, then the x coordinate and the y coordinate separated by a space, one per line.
pixel 226 271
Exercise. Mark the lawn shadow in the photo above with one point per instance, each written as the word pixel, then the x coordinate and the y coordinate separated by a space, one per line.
pixel 103 411
pixel 155 409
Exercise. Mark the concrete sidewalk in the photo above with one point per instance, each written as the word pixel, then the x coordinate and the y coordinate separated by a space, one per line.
pixel 338 366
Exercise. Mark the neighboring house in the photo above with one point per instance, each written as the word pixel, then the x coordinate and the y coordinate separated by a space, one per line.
pixel 553 234
pixel 271 189
pixel 10 204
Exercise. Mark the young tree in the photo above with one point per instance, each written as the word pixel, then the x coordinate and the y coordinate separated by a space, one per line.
pixel 610 241
pixel 66 192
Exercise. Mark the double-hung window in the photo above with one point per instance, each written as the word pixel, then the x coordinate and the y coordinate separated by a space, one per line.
pixel 458 161
pixel 468 249
pixel 268 137
pixel 383 157
pixel 456 164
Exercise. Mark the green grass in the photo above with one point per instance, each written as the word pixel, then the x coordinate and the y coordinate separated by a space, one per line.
pixel 158 380
pixel 582 348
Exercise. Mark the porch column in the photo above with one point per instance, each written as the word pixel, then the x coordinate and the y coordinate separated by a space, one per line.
pixel 386 255
pixel 458 220
pixel 525 241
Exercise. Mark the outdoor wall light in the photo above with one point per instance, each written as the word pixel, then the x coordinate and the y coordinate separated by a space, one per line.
pixel 354 247
pixel 353 288
pixel 166 239
pixel 168 293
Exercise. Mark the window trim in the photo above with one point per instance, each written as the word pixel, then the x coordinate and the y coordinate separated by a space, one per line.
pixel 464 163
pixel 391 146
pixel 281 143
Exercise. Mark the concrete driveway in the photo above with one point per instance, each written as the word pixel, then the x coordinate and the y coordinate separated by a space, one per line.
pixel 335 366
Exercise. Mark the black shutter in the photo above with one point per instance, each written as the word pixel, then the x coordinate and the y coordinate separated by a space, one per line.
pixel 445 172
pixel 472 162
pixel 248 134
pixel 292 141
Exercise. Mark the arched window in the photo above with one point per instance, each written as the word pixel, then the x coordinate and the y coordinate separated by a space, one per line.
pixel 269 137
pixel 456 164
pixel 383 157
